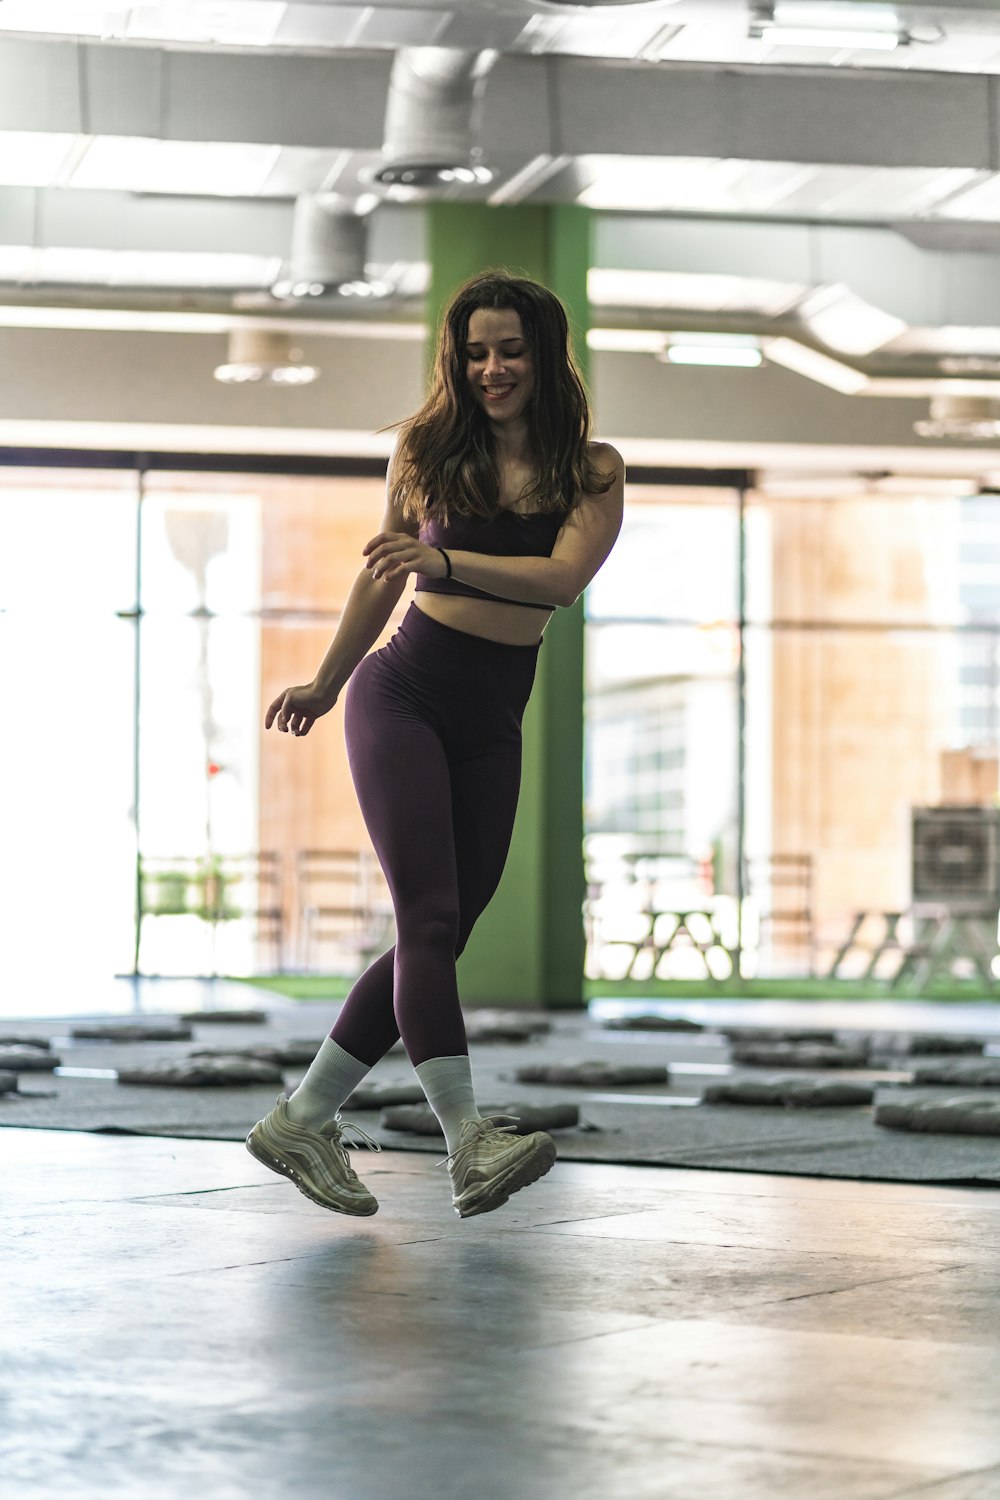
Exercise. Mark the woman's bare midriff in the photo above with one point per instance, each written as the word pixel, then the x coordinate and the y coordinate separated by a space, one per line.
pixel 508 624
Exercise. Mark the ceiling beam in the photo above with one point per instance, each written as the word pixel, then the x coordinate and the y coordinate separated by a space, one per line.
pixel 925 286
pixel 64 218
pixel 559 105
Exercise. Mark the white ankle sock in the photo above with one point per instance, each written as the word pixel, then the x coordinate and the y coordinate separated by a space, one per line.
pixel 447 1082
pixel 332 1077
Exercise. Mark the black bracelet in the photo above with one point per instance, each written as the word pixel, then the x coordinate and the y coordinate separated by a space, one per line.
pixel 447 560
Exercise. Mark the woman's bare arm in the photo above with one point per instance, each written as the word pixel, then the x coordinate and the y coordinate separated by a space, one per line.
pixel 582 547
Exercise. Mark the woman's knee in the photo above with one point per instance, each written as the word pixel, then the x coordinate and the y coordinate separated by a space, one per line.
pixel 436 927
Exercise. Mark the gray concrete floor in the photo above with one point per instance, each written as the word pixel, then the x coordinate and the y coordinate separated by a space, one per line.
pixel 180 1322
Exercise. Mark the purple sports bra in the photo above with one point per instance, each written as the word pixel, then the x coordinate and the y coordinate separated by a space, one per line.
pixel 505 535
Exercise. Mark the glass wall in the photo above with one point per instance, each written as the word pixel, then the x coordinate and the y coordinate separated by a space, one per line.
pixel 67 786
pixel 148 820
pixel 662 714
pixel 869 637
pixel 151 825
pixel 873 618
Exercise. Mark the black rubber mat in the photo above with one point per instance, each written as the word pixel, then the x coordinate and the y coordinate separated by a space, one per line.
pixel 661 1125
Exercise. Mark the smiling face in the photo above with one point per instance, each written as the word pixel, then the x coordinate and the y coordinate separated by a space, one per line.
pixel 498 363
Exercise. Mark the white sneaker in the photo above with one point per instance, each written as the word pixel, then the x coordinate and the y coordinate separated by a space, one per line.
pixel 489 1164
pixel 315 1160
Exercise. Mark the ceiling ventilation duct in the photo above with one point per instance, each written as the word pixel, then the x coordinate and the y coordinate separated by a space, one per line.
pixel 263 356
pixel 432 118
pixel 962 417
pixel 329 242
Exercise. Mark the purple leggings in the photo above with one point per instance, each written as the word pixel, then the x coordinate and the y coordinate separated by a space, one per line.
pixel 433 729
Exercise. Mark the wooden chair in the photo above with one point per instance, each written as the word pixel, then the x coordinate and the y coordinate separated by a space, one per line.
pixel 341 898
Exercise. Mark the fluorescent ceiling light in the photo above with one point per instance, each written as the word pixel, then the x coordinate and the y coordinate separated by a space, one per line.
pixel 138 165
pixel 846 322
pixel 815 366
pixel 30 158
pixel 722 349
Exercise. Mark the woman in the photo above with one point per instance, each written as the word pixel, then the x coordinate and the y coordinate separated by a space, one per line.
pixel 504 511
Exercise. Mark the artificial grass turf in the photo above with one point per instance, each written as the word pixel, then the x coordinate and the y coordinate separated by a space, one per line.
pixel 338 986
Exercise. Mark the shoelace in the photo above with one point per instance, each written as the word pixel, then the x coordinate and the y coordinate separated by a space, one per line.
pixel 483 1128
pixel 334 1129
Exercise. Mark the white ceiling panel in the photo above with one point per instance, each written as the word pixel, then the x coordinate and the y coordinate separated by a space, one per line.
pixel 387 26
pixel 234 23
pixel 605 33
pixel 875 192
pixel 474 30
pixel 300 169
pixel 14 262
pixel 319 25
pixel 733 186
pixel 945 38
pixel 691 184
pixel 129 268
pixel 219 168
pixel 64 17
pixel 947 340
pixel 31 159
pixel 692 292
pixel 981 202
pixel 645 110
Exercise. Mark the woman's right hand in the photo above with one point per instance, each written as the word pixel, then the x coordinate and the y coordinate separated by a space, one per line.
pixel 298 708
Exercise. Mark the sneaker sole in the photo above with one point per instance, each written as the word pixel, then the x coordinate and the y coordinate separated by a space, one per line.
pixel 495 1193
pixel 261 1154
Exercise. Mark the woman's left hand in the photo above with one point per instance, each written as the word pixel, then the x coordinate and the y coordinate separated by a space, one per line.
pixel 392 554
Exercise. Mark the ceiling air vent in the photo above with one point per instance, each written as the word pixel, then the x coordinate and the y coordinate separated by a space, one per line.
pixel 432 118
pixel 975 417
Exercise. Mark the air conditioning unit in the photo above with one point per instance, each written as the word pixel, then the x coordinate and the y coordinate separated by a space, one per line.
pixel 956 859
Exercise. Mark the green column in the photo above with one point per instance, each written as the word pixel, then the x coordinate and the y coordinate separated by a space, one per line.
pixel 528 946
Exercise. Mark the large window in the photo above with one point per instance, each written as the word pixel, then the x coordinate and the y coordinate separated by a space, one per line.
pixel 662 713
pixel 774 681
pixel 874 618
pixel 147 818
pixel 67 664
pixel 777 813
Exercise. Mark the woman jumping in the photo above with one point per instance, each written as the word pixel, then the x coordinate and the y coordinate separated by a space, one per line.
pixel 502 507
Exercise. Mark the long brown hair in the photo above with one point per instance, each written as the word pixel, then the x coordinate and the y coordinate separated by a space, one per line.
pixel 446 458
